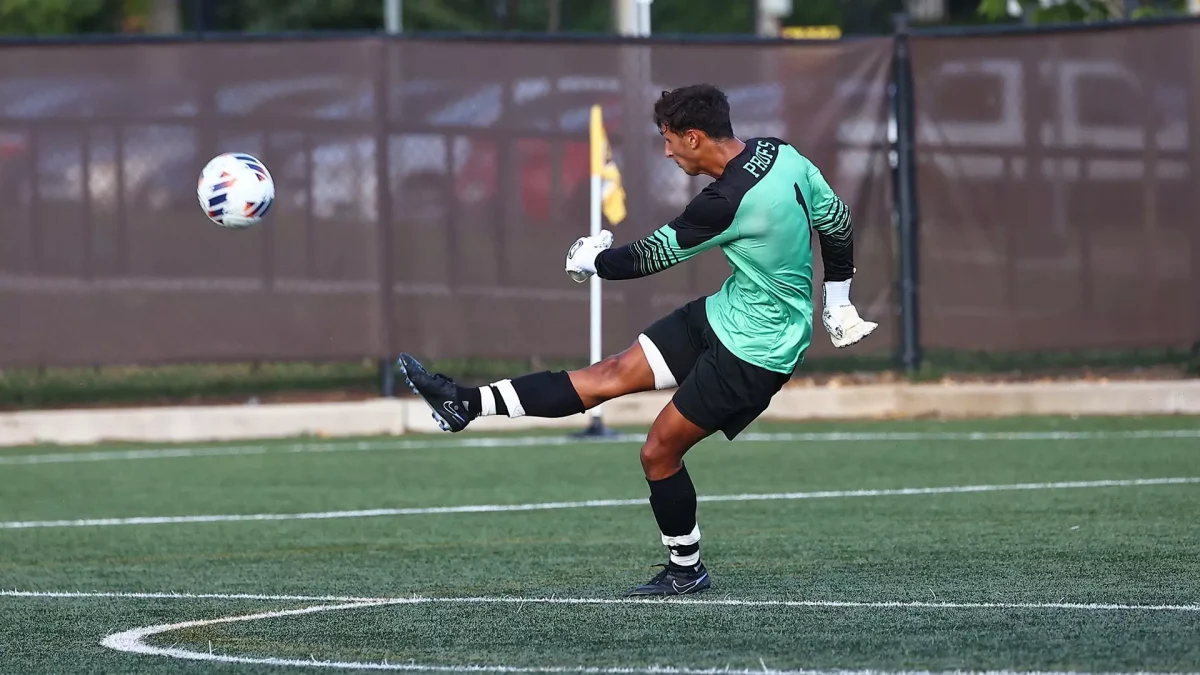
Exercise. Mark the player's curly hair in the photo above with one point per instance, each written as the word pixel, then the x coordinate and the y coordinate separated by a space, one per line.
pixel 703 107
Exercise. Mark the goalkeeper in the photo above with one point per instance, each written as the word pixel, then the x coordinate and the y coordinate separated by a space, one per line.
pixel 726 355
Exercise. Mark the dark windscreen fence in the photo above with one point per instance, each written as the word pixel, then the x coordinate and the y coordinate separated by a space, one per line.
pixel 1057 188
pixel 491 185
pixel 481 150
pixel 107 256
pixel 427 192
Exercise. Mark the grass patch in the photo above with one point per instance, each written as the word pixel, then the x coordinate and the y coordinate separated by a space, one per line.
pixel 1134 545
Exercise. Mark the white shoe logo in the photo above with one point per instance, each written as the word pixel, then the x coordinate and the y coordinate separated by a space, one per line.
pixel 449 406
pixel 684 588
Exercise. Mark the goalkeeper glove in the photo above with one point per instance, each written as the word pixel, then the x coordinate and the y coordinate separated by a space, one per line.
pixel 842 322
pixel 581 258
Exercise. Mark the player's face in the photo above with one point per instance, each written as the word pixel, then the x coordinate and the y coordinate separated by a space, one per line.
pixel 682 149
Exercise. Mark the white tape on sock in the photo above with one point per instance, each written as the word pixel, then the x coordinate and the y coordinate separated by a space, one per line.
pixel 511 400
pixel 686 560
pixel 487 401
pixel 685 539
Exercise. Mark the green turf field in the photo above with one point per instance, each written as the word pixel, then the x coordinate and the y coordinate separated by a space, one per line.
pixel 1018 545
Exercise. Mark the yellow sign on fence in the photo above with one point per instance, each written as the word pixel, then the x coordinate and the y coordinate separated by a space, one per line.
pixel 811 32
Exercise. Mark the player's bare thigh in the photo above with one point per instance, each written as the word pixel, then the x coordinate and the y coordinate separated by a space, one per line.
pixel 625 373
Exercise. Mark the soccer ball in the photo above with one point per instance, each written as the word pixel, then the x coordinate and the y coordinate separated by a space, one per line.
pixel 235 190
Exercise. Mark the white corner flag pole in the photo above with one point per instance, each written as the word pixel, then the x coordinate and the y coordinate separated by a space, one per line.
pixel 596 301
pixel 601 156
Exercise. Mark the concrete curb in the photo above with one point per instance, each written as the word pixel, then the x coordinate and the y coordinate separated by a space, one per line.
pixel 988 400
pixel 398 416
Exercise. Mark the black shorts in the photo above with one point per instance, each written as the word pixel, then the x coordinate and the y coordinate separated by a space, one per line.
pixel 717 390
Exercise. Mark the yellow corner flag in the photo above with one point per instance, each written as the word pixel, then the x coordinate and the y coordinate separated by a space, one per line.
pixel 612 194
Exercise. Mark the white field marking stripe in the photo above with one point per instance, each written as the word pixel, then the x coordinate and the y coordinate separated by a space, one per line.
pixel 134 641
pixel 525 441
pixel 478 600
pixel 595 503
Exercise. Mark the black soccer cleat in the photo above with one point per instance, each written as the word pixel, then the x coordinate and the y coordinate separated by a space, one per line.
pixel 439 393
pixel 675 580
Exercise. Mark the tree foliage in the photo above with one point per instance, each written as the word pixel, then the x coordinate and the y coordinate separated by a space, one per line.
pixel 1075 11
pixel 42 17
pixel 56 17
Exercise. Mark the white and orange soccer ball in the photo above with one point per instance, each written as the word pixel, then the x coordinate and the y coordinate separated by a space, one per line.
pixel 235 190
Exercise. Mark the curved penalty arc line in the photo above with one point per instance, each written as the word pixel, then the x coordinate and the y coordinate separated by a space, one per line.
pixel 134 642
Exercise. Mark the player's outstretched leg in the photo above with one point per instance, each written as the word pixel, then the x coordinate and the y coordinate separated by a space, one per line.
pixel 673 500
pixel 542 394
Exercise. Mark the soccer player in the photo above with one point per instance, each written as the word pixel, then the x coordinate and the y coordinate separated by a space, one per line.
pixel 727 354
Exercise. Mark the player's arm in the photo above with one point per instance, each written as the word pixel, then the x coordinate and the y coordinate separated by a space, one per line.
pixel 835 229
pixel 835 232
pixel 706 223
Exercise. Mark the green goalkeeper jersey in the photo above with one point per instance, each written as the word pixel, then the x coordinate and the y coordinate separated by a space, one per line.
pixel 761 212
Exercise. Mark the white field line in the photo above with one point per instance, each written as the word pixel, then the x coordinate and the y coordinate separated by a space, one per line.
pixel 134 641
pixel 509 600
pixel 597 503
pixel 526 441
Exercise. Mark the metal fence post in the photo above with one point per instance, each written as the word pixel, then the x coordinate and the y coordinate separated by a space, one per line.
pixel 1194 156
pixel 906 198
pixel 383 217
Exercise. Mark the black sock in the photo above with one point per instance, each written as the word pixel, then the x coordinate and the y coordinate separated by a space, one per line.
pixel 673 500
pixel 472 398
pixel 547 394
pixel 543 394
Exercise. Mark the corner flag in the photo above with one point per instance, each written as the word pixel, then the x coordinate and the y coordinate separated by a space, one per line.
pixel 608 201
pixel 612 194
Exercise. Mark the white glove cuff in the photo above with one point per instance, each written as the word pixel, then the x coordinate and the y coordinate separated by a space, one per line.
pixel 837 293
